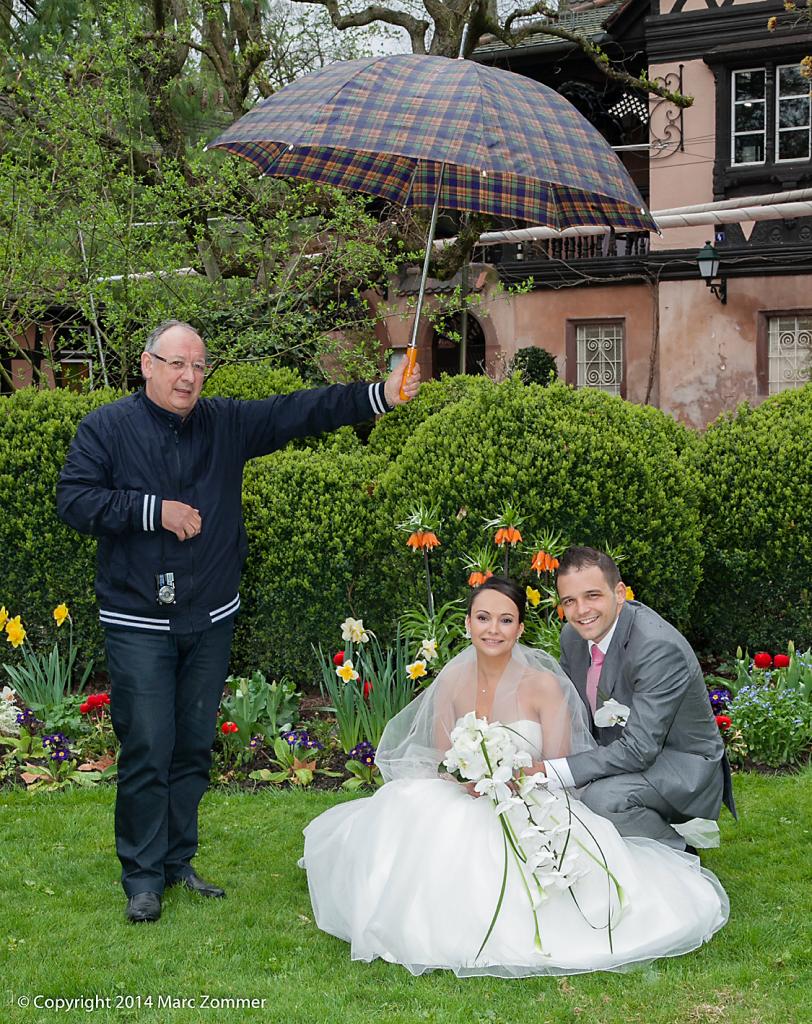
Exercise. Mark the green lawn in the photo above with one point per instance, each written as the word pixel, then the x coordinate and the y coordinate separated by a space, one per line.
pixel 64 934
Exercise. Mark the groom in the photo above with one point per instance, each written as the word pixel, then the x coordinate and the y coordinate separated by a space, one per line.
pixel 667 764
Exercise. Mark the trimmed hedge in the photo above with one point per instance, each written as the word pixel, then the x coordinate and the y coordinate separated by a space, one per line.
pixel 601 470
pixel 261 380
pixel 42 561
pixel 311 518
pixel 252 380
pixel 756 472
pixel 392 431
pixel 322 520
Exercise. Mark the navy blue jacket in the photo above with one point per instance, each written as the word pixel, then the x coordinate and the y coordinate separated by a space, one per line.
pixel 130 456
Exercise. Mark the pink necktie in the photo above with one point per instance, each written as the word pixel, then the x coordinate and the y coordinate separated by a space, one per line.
pixel 592 677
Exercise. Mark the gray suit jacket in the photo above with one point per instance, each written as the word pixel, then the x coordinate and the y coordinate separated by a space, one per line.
pixel 671 736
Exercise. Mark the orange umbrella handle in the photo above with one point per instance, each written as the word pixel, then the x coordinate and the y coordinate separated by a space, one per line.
pixel 411 359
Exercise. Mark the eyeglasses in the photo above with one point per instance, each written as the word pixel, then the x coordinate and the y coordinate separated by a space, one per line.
pixel 179 365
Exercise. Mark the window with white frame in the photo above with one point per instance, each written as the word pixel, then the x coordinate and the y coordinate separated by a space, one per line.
pixel 599 356
pixel 771 115
pixel 789 352
pixel 792 116
pixel 749 116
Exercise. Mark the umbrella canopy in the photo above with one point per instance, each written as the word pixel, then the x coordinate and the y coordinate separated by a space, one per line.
pixel 388 126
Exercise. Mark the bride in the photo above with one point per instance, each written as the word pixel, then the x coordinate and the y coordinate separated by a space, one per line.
pixel 422 874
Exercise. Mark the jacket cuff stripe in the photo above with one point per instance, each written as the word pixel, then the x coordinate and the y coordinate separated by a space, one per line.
pixel 148 513
pixel 225 610
pixel 132 621
pixel 376 398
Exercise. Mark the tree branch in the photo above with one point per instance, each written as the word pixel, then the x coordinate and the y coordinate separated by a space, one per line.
pixel 416 27
pixel 599 57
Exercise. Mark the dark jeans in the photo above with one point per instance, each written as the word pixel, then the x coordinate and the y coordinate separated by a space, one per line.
pixel 164 696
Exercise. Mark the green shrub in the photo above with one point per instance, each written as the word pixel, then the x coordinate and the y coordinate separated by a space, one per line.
pixel 756 472
pixel 600 470
pixel 536 365
pixel 392 431
pixel 42 561
pixel 261 380
pixel 311 517
pixel 252 380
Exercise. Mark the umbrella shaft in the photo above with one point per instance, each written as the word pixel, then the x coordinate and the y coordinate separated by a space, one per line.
pixel 430 241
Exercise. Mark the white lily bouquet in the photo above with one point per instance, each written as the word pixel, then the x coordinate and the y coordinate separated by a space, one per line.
pixel 536 824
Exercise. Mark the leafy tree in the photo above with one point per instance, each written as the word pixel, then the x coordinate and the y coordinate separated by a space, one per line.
pixel 436 27
pixel 111 210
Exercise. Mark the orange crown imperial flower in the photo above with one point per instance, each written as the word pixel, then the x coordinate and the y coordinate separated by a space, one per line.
pixel 507 535
pixel 542 562
pixel 476 579
pixel 422 540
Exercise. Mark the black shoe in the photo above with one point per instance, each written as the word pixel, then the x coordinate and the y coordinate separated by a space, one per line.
pixel 144 907
pixel 194 883
pixel 692 850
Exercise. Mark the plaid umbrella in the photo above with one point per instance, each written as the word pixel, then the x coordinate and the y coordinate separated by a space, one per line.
pixel 428 131
pixel 386 126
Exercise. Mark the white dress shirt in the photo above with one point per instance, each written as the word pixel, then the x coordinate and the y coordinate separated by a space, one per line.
pixel 557 769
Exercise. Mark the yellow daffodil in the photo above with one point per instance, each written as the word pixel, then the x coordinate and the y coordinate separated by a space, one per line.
pixel 347 672
pixel 3 617
pixel 15 631
pixel 533 596
pixel 629 594
pixel 61 613
pixel 416 670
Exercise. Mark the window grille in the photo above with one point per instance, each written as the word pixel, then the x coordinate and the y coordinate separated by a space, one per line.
pixel 600 356
pixel 789 352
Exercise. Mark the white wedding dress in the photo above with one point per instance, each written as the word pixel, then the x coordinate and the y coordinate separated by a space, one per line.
pixel 413 874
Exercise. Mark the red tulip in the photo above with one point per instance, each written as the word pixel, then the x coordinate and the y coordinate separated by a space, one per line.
pixel 762 660
pixel 338 659
pixel 229 727
pixel 84 708
pixel 781 661
pixel 367 689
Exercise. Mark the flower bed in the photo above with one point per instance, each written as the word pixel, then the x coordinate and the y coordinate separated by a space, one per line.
pixel 763 707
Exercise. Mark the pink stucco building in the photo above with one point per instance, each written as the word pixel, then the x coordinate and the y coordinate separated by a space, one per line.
pixel 632 314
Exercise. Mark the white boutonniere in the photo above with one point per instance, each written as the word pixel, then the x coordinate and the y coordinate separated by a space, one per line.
pixel 611 712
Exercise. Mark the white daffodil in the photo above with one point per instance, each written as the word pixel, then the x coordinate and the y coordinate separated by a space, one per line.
pixel 353 630
pixel 611 712
pixel 7 694
pixel 428 650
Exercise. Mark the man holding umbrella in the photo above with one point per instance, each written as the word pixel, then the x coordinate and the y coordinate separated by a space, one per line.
pixel 157 477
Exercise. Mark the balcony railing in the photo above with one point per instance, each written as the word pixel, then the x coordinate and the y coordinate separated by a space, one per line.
pixel 568 250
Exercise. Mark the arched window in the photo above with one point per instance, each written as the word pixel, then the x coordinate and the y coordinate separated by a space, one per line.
pixel 445 346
